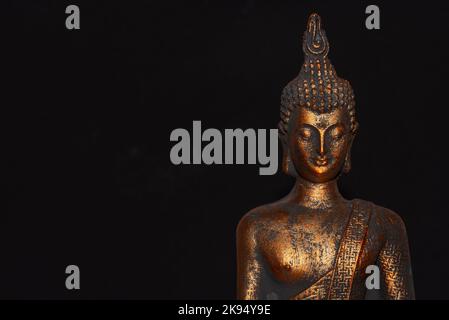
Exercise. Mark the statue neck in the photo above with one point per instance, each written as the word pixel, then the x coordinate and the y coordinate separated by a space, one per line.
pixel 316 195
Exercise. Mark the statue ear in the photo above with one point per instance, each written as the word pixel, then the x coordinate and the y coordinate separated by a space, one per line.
pixel 347 165
pixel 287 164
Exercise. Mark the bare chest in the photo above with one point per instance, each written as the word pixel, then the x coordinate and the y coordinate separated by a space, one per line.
pixel 301 249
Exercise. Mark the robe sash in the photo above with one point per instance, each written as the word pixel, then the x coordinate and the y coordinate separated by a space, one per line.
pixel 337 283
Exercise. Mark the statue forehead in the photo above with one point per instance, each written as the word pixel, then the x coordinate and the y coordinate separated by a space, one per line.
pixel 320 120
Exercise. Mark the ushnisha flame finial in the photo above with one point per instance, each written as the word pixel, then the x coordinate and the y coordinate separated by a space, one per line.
pixel 315 41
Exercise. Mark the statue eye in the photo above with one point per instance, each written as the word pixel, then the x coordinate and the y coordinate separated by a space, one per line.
pixel 337 133
pixel 305 133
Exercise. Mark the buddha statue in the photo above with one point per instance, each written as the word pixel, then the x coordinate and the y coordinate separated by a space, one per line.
pixel 313 244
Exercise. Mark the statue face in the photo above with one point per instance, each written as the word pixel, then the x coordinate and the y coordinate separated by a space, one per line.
pixel 319 143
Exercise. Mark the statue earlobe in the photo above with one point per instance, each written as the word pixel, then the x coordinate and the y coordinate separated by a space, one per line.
pixel 287 164
pixel 347 164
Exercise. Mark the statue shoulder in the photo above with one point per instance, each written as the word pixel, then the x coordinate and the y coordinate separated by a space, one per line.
pixel 260 216
pixel 391 222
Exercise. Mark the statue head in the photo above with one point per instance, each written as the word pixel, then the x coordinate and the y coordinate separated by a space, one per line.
pixel 318 121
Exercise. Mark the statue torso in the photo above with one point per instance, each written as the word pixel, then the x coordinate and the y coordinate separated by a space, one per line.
pixel 299 245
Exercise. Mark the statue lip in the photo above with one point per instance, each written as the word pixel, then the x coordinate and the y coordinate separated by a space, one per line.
pixel 321 161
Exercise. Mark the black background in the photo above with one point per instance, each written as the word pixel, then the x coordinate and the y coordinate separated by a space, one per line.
pixel 87 115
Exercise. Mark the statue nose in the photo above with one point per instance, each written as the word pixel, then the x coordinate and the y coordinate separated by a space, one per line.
pixel 321 150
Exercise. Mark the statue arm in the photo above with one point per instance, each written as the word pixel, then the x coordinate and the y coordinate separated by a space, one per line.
pixel 394 262
pixel 248 265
